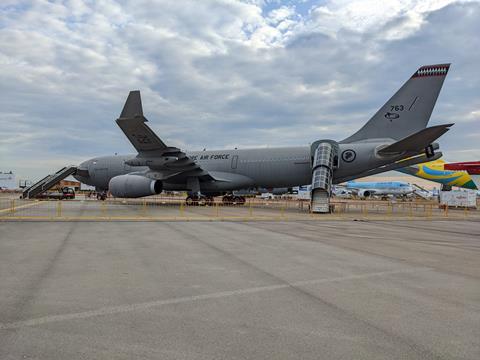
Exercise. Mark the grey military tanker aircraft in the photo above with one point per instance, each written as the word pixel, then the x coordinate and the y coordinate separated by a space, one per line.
pixel 396 132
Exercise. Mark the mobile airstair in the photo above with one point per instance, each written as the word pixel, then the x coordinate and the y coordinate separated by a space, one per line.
pixel 48 182
pixel 421 192
pixel 324 156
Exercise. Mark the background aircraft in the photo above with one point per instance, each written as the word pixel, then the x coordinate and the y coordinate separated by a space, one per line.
pixel 379 188
pixel 396 132
pixel 471 167
pixel 437 171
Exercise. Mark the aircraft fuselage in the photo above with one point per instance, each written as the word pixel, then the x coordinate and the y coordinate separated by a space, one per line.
pixel 242 169
pixel 284 167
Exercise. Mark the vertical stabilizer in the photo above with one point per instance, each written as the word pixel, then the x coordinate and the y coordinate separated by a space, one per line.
pixel 409 110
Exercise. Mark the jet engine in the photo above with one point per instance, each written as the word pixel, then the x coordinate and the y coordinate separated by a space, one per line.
pixel 134 186
pixel 365 193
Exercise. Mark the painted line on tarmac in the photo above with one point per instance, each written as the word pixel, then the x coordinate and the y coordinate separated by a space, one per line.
pixel 20 207
pixel 188 299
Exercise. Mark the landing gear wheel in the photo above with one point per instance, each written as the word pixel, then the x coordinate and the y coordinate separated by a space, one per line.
pixel 227 200
pixel 194 200
pixel 189 201
pixel 238 200
pixel 201 201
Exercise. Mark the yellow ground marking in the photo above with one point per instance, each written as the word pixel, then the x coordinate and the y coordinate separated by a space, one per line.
pixel 16 207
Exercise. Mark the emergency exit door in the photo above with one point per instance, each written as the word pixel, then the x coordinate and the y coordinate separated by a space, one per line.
pixel 234 161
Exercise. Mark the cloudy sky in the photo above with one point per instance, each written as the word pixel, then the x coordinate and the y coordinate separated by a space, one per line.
pixel 219 74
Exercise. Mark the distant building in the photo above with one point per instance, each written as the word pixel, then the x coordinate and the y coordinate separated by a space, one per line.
pixel 7 180
pixel 68 183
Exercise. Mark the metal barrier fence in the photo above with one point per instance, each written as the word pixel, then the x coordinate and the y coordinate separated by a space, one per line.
pixel 164 208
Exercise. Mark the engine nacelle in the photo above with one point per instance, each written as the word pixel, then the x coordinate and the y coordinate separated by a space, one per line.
pixel 134 186
pixel 365 193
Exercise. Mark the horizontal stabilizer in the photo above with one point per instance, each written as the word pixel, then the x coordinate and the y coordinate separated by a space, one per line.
pixel 416 142
pixel 393 166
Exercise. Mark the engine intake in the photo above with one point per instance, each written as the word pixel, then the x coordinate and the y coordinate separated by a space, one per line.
pixel 134 186
pixel 364 193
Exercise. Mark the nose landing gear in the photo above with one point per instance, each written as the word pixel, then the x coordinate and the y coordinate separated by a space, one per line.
pixel 102 195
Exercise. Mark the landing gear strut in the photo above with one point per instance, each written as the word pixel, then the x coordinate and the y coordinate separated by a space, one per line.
pixel 102 195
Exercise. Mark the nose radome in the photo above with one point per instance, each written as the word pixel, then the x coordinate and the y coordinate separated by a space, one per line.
pixel 82 170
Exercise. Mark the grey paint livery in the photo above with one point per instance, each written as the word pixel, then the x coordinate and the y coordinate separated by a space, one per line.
pixel 395 133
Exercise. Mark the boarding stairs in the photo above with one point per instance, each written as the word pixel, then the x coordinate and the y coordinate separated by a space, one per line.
pixel 421 192
pixel 48 182
pixel 324 154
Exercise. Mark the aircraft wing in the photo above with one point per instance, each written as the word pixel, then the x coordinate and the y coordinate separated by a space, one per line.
pixel 358 190
pixel 354 188
pixel 132 122
pixel 165 161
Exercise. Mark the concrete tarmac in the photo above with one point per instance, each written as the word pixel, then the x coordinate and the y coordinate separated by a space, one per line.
pixel 234 290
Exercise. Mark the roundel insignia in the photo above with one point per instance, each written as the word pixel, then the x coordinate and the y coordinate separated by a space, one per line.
pixel 391 116
pixel 348 155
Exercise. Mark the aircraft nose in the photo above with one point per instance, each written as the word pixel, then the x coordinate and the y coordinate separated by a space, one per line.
pixel 82 170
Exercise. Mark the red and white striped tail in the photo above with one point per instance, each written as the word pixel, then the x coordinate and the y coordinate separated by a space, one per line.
pixel 471 167
pixel 432 70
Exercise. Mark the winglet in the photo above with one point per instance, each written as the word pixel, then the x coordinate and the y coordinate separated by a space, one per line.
pixel 133 105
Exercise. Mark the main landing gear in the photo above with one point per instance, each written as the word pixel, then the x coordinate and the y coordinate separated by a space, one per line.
pixel 231 199
pixel 199 200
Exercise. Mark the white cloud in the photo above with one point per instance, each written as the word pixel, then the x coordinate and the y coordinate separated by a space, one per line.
pixel 371 15
pixel 216 73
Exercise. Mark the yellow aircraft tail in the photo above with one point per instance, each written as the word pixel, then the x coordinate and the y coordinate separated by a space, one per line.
pixel 435 171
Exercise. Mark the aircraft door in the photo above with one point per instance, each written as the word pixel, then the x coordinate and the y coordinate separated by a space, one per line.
pixel 100 177
pixel 234 161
